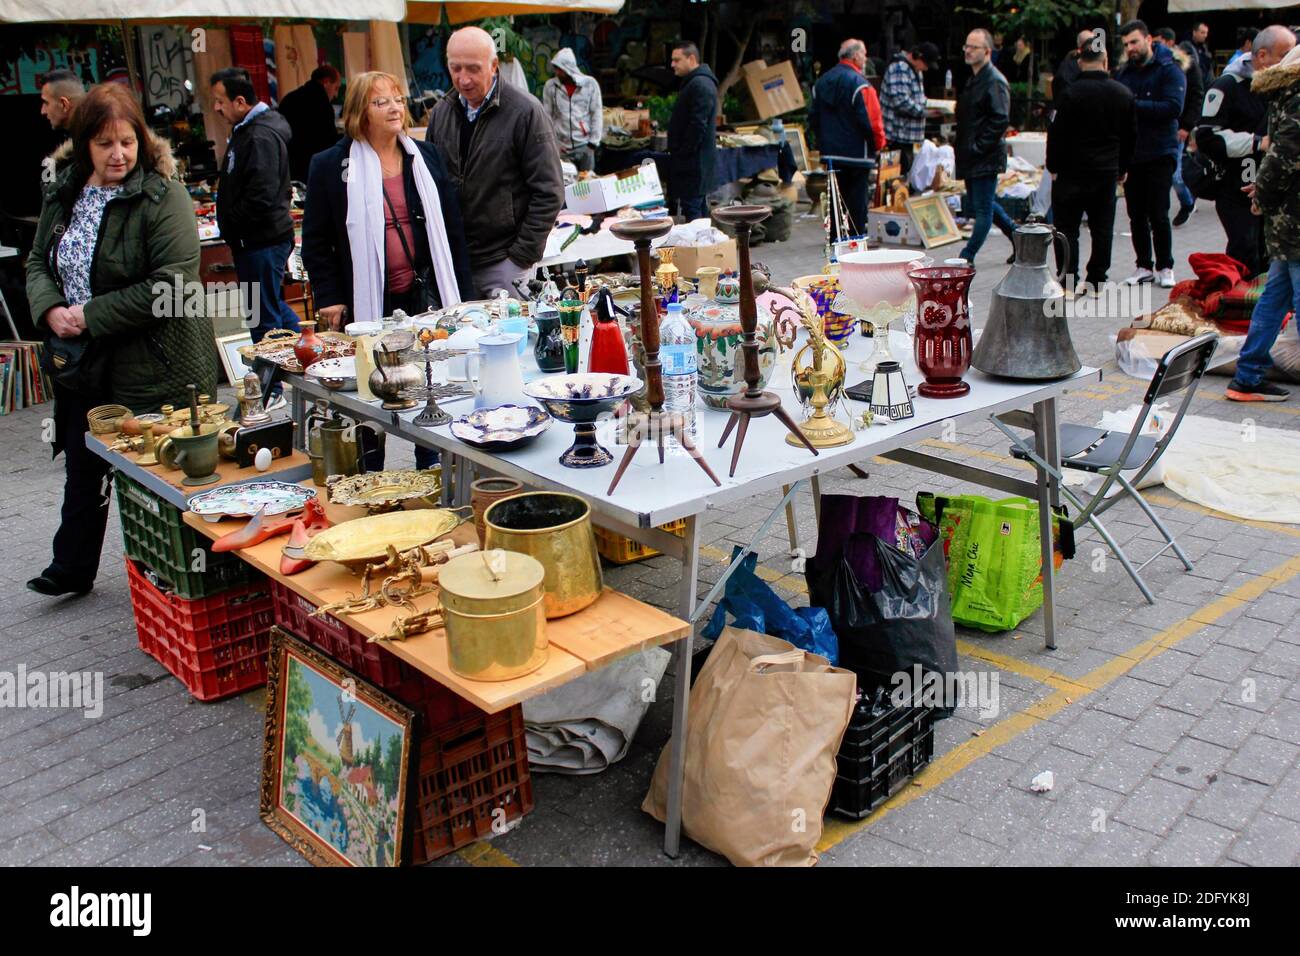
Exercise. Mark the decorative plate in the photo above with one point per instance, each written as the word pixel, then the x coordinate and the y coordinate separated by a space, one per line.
pixel 384 490
pixel 367 539
pixel 277 347
pixel 244 501
pixel 336 373
pixel 503 428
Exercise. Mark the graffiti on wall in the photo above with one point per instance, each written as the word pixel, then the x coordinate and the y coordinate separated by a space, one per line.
pixel 162 66
pixel 27 53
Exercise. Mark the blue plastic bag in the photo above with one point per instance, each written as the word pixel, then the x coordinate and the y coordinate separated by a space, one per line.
pixel 754 606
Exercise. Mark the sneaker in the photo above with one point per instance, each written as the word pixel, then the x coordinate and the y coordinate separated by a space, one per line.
pixel 277 403
pixel 1184 214
pixel 1166 278
pixel 1263 392
pixel 1142 275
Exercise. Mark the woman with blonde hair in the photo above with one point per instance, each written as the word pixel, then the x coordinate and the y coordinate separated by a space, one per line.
pixel 382 228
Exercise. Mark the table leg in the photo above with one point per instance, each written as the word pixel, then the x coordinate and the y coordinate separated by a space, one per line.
pixel 792 529
pixel 298 412
pixel 683 650
pixel 1047 439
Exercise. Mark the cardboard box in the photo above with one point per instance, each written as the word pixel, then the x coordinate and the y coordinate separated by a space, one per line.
pixel 773 90
pixel 629 187
pixel 688 259
pixel 893 228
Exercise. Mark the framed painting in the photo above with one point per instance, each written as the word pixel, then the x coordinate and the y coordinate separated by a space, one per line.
pixel 798 145
pixel 933 220
pixel 231 360
pixel 336 760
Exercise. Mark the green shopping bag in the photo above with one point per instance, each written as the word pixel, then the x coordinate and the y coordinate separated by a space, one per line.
pixel 994 559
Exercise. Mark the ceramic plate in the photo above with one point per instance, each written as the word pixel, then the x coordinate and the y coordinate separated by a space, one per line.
pixel 345 367
pixel 244 501
pixel 502 428
pixel 584 387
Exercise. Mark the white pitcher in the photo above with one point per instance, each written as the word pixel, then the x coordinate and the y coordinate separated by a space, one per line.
pixel 500 381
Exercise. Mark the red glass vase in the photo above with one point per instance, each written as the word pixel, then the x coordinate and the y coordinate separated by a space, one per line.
pixel 943 333
pixel 309 348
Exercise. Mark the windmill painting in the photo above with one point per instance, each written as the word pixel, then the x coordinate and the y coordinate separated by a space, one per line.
pixel 336 761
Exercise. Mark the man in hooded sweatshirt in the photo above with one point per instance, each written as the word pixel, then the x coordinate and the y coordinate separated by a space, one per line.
pixel 572 100
pixel 1158 87
pixel 692 136
pixel 253 196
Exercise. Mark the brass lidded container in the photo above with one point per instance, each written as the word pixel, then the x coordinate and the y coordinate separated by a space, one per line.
pixel 555 528
pixel 492 608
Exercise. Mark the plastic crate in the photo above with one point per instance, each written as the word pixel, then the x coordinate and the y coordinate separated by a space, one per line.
pixel 466 774
pixel 216 646
pixel 879 755
pixel 153 532
pixel 437 705
pixel 622 550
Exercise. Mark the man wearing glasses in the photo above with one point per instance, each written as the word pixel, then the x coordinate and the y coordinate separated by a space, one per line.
pixel 983 113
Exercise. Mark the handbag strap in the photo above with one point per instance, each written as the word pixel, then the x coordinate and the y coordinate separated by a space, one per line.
pixel 401 234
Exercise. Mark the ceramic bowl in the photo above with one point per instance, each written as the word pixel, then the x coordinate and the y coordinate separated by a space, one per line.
pixel 582 398
pixel 503 428
pixel 336 374
pixel 878 275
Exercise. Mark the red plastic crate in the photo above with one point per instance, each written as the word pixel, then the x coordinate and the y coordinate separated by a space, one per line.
pixel 466 774
pixel 217 646
pixel 436 705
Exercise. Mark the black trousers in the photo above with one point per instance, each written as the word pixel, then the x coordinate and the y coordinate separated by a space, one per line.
pixel 1073 196
pixel 904 156
pixel 1244 229
pixel 1146 194
pixel 86 492
pixel 854 185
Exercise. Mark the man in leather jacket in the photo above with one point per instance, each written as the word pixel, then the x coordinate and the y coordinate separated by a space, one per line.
pixel 983 113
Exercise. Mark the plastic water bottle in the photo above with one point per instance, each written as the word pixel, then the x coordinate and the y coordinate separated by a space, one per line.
pixel 677 356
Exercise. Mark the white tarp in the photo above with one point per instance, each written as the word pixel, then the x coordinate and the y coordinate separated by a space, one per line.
pixel 173 11
pixel 1206 6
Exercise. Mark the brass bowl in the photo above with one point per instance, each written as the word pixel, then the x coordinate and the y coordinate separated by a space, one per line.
pixel 386 490
pixel 554 528
pixel 361 541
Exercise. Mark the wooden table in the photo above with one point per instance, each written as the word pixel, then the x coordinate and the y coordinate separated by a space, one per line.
pixel 615 626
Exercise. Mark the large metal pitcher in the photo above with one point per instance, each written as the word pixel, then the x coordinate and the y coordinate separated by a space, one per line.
pixel 339 446
pixel 1027 335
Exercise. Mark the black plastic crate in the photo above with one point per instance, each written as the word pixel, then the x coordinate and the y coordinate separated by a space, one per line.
pixel 155 534
pixel 879 755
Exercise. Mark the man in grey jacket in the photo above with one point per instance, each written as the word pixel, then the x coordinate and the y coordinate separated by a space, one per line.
pixel 501 152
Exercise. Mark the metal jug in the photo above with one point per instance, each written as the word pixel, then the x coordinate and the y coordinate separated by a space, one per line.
pixel 1027 335
pixel 339 447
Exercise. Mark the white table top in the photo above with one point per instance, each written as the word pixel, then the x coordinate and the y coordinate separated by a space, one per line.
pixel 651 494
pixel 596 246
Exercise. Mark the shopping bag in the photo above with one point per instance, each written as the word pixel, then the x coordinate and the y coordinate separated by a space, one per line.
pixel 766 723
pixel 752 605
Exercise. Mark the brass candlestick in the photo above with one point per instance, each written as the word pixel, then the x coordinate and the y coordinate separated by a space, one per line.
pixel 655 423
pixel 754 402
pixel 824 375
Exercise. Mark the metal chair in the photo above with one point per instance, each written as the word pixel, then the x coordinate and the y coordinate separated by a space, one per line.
pixel 1110 453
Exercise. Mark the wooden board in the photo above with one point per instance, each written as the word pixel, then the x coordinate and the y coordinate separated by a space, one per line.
pixel 615 626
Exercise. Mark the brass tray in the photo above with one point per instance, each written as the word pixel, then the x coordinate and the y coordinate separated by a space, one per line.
pixel 386 490
pixel 277 347
pixel 360 541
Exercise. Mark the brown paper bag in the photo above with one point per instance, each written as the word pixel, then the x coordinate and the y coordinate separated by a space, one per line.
pixel 765 724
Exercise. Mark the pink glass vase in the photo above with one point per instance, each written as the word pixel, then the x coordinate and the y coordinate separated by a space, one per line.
pixel 943 333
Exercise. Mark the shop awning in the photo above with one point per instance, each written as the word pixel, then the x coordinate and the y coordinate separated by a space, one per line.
pixel 1209 6
pixel 463 11
pixel 179 11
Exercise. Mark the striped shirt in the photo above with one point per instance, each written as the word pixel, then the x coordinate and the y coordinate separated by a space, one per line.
pixel 902 96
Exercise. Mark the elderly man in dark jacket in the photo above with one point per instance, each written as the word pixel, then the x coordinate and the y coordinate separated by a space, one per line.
pixel 1158 87
pixel 692 136
pixel 845 116
pixel 499 147
pixel 1089 147
pixel 983 114
pixel 1277 197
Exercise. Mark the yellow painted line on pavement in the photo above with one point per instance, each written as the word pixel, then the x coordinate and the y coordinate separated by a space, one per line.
pixel 963 755
pixel 484 854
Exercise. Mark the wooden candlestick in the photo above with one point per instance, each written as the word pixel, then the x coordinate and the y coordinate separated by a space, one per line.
pixel 753 402
pixel 640 232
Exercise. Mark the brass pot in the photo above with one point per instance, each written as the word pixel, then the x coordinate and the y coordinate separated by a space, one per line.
pixel 495 618
pixel 555 529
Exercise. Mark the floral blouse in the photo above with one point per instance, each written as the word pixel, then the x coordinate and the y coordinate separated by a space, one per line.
pixel 77 244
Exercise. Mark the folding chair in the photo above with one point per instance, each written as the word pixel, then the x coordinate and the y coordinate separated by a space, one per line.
pixel 1109 453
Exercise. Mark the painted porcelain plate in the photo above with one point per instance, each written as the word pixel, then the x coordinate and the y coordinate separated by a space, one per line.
pixel 244 501
pixel 502 428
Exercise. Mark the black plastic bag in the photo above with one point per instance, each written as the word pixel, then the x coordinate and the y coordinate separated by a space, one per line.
pixel 907 622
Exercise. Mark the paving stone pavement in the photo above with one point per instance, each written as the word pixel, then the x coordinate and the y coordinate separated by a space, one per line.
pixel 1172 730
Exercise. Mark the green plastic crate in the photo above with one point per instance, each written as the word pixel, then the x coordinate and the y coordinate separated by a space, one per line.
pixel 155 534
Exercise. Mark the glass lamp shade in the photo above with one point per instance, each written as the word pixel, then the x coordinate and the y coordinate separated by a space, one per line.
pixel 889 397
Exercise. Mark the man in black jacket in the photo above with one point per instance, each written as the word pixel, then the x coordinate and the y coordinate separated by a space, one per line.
pixel 253 197
pixel 1185 57
pixel 1069 69
pixel 983 113
pixel 311 118
pixel 1089 147
pixel 692 134
pixel 1204 58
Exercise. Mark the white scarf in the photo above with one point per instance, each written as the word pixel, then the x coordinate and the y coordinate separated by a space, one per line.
pixel 366 223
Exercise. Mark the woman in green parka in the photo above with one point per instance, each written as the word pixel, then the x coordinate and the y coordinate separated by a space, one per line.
pixel 114 263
